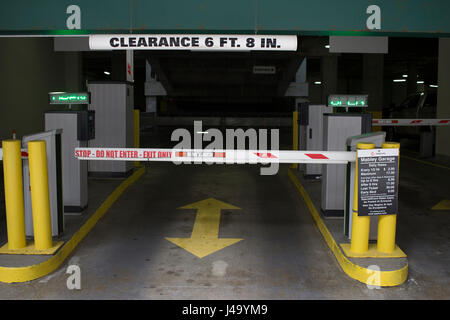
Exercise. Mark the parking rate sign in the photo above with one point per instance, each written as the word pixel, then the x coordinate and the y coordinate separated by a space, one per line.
pixel 377 182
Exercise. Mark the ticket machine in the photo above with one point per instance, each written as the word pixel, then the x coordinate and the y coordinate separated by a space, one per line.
pixel 348 119
pixel 78 127
pixel 310 124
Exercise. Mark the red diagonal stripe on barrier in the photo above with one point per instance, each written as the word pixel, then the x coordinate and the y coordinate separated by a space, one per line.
pixel 444 121
pixel 219 154
pixel 316 156
pixel 265 155
pixel 416 121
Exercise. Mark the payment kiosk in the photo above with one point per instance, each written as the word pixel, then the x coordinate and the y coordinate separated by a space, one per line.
pixel 78 127
pixel 349 119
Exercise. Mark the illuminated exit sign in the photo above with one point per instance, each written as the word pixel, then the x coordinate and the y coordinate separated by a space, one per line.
pixel 69 98
pixel 347 100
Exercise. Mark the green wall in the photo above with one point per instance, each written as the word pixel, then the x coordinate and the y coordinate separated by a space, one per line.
pixel 29 69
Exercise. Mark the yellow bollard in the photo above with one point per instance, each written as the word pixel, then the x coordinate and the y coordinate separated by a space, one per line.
pixel 136 132
pixel 387 223
pixel 360 225
pixel 12 171
pixel 39 195
pixel 295 135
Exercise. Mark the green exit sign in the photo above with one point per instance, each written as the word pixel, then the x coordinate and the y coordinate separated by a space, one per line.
pixel 69 98
pixel 347 100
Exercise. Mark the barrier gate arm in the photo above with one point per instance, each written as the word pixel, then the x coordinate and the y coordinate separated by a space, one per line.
pixel 411 122
pixel 216 156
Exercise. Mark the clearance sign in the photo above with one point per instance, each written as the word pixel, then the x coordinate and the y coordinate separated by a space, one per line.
pixel 193 42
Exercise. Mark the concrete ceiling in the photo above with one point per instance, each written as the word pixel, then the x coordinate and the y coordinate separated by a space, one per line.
pixel 227 77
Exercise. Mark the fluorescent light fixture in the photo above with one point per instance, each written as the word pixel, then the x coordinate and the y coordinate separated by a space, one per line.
pixel 399 80
pixel 433 85
pixel 264 69
pixel 317 82
pixel 327 46
pixel 404 75
pixel 202 132
pixel 107 73
pixel 420 81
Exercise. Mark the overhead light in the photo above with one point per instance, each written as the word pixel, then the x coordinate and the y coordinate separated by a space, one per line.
pixel 202 132
pixel 399 80
pixel 264 69
pixel 107 73
pixel 404 75
pixel 420 81
pixel 317 82
pixel 433 85
pixel 327 46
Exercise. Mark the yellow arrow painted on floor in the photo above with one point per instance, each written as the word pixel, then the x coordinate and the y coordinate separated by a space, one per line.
pixel 443 205
pixel 204 239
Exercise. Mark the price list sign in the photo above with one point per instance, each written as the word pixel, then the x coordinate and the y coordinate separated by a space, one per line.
pixel 377 182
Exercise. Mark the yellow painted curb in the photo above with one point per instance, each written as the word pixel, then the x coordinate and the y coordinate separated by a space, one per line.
pixel 22 274
pixel 372 252
pixel 364 275
pixel 31 249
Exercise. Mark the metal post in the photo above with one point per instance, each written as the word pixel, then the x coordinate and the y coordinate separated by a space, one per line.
pixel 12 170
pixel 40 202
pixel 387 223
pixel 426 143
pixel 360 225
pixel 136 116
pixel 294 135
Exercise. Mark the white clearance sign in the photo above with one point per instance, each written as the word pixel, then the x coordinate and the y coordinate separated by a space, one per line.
pixel 193 42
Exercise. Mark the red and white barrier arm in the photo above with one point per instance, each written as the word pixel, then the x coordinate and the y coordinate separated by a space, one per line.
pixel 24 154
pixel 215 156
pixel 411 122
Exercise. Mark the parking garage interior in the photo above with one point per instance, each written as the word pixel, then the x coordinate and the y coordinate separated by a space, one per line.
pixel 280 250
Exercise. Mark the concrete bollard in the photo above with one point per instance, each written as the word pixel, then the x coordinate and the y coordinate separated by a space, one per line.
pixel 387 223
pixel 40 202
pixel 360 225
pixel 15 217
pixel 294 135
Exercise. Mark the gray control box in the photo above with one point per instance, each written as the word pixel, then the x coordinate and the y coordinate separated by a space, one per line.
pixel 337 128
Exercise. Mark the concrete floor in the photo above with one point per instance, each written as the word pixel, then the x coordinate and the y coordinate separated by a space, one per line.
pixel 282 256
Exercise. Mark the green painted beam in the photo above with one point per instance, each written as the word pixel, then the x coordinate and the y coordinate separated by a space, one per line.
pixel 303 17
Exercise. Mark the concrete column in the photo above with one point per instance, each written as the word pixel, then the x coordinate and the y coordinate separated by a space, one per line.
pixel 443 97
pixel 329 69
pixel 372 85
pixel 411 82
pixel 73 72
pixel 300 76
pixel 150 102
pixel 118 66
